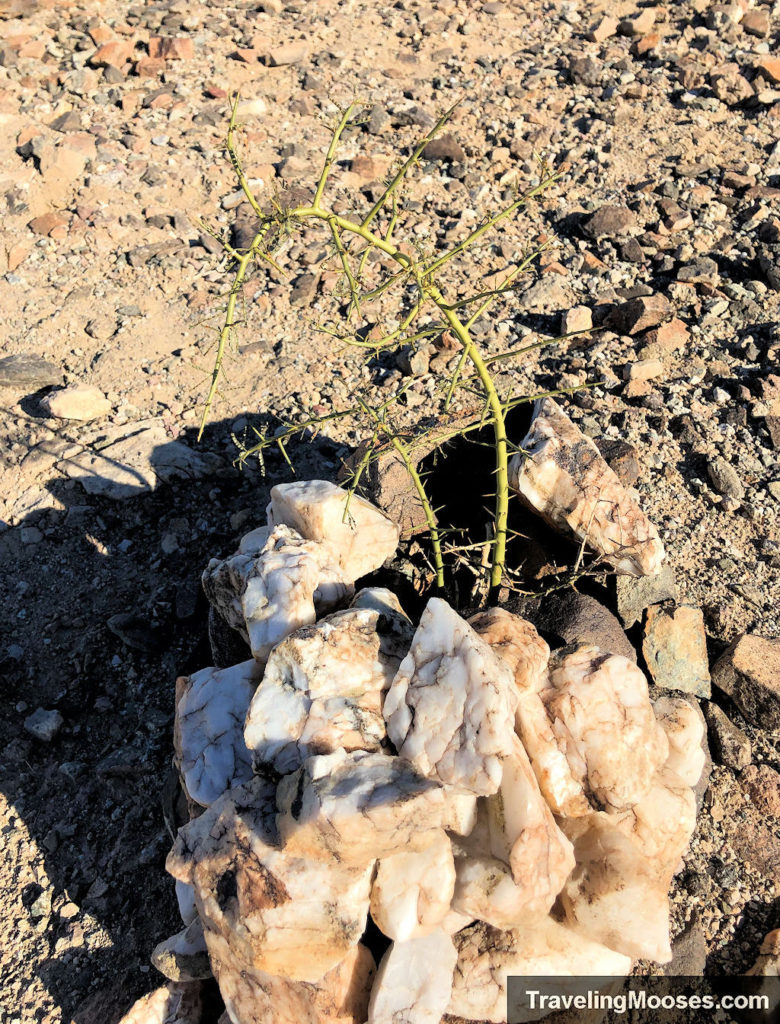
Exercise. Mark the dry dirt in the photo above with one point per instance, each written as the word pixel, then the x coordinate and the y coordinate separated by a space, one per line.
pixel 108 167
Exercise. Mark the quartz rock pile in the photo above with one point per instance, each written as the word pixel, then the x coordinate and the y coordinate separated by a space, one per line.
pixel 493 808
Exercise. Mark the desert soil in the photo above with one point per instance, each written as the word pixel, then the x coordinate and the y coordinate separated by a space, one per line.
pixel 112 176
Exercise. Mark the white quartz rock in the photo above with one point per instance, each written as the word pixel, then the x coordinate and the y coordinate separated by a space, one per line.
pixel 561 474
pixel 173 1003
pixel 662 822
pixel 252 996
pixel 450 710
pixel 268 594
pixel 414 981
pixel 208 730
pixel 360 536
pixel 562 791
pixel 356 807
pixel 684 730
pixel 516 641
pixel 185 897
pixel 380 599
pixel 616 894
pixel 323 688
pixel 183 956
pixel 524 835
pixel 603 721
pixel 412 892
pixel 486 956
pixel 277 912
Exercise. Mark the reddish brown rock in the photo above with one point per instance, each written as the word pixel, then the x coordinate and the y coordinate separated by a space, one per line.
pixel 48 223
pixel 149 67
pixel 761 784
pixel 114 53
pixel 669 337
pixel 769 67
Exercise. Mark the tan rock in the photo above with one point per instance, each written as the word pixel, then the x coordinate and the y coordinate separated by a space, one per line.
pixel 769 67
pixel 675 649
pixel 275 911
pixel 518 643
pixel 255 997
pixel 412 892
pixel 768 963
pixel 578 318
pixel 116 53
pixel 561 474
pixel 602 29
pixel 79 402
pixel 749 672
pixel 450 709
pixel 356 807
pixel 644 369
pixel 183 956
pixel 172 1004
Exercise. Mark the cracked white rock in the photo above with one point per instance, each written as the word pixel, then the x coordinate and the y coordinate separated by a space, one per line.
pixel 360 537
pixel 359 806
pixel 524 835
pixel 684 729
pixel 561 474
pixel 412 892
pixel 414 981
pixel 185 897
pixel 277 912
pixel 323 688
pixel 602 718
pixel 255 997
pixel 208 729
pixel 173 1003
pixel 486 956
pixel 518 643
pixel 267 593
pixel 450 710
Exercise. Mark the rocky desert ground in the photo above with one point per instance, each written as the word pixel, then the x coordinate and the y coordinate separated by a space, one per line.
pixel 662 231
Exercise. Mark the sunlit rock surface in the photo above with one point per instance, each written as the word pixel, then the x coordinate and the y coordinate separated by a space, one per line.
pixel 524 835
pixel 254 997
pixel 360 537
pixel 412 892
pixel 268 594
pixel 617 894
pixel 518 643
pixel 277 912
pixel 323 688
pixel 561 474
pixel 685 729
pixel 208 730
pixel 379 599
pixel 450 709
pixel 414 981
pixel 357 807
pixel 174 1003
pixel 603 720
pixel 486 956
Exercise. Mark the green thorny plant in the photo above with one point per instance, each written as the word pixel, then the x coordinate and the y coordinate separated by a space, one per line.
pixel 353 242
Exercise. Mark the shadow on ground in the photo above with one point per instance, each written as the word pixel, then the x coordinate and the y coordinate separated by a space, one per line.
pixel 103 610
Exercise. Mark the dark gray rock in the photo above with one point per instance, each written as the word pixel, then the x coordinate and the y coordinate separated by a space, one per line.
pixel 227 646
pixel 730 745
pixel 579 618
pixel 28 370
pixel 689 951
